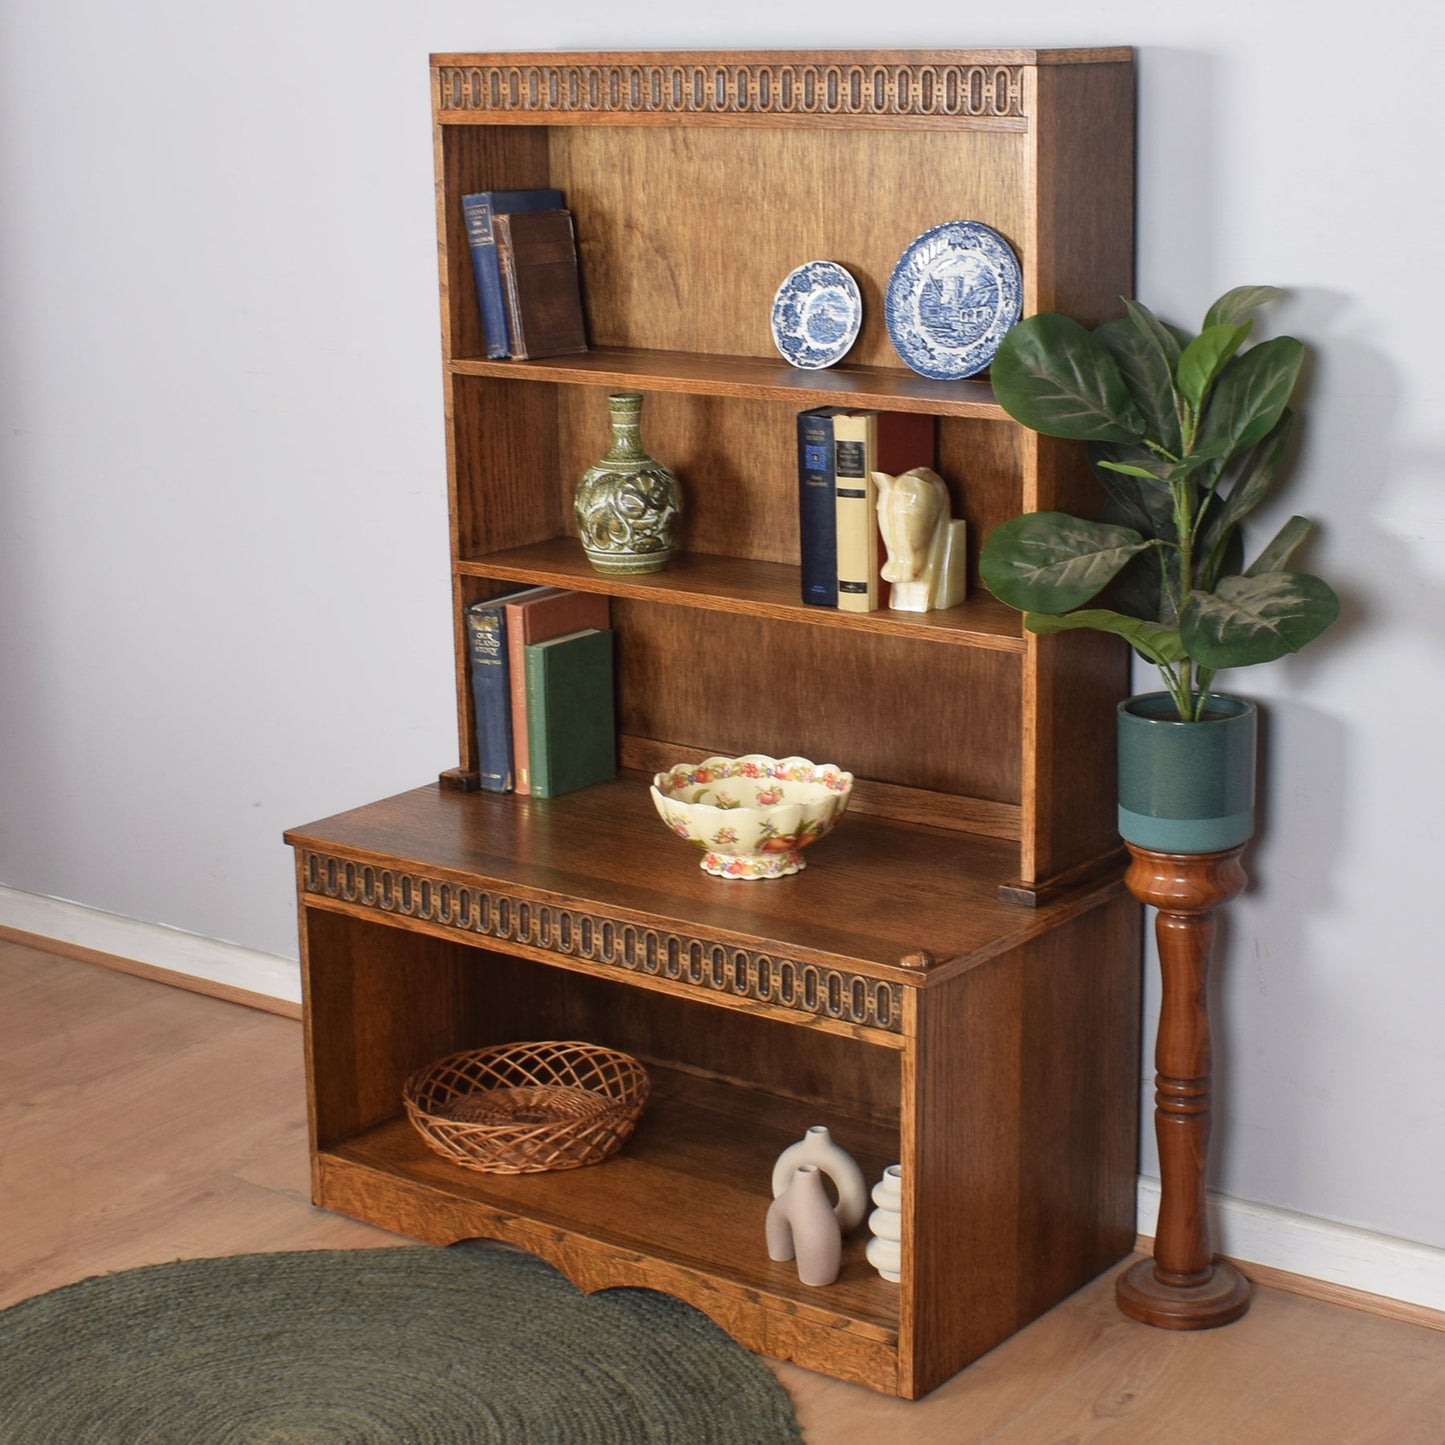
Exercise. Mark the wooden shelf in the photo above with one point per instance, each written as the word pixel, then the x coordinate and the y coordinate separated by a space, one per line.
pixel 748 588
pixel 875 893
pixel 703 1151
pixel 749 378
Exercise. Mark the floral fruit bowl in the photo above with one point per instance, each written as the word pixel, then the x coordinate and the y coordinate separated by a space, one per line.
pixel 752 816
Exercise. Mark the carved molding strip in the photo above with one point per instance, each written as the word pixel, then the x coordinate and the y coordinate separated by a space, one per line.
pixel 824 993
pixel 692 88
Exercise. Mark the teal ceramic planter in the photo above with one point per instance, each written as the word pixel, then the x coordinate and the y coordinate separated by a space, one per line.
pixel 1186 787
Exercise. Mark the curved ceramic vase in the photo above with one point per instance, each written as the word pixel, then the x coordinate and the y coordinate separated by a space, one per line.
pixel 801 1225
pixel 817 1147
pixel 885 1224
pixel 1186 787
pixel 627 504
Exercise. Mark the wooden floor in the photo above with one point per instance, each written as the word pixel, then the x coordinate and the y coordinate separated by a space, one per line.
pixel 142 1123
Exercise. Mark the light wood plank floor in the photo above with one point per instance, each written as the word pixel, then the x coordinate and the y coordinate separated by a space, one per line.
pixel 141 1123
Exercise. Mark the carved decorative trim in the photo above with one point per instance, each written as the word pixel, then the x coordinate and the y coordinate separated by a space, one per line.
pixel 764 89
pixel 808 988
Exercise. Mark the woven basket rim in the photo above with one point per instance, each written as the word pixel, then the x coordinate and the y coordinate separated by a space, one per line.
pixel 513 1147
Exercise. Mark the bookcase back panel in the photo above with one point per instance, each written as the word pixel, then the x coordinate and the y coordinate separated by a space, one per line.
pixel 737 462
pixel 888 709
pixel 476 158
pixel 506 465
pixel 685 234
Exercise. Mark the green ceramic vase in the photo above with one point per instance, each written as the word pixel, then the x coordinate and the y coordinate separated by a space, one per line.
pixel 1186 787
pixel 627 504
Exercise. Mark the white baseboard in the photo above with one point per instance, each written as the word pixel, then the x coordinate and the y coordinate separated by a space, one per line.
pixel 1356 1259
pixel 151 944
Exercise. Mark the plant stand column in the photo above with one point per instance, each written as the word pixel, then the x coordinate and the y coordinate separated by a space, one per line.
pixel 1184 1287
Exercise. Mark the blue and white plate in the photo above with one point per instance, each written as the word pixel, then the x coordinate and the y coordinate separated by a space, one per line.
pixel 953 294
pixel 816 314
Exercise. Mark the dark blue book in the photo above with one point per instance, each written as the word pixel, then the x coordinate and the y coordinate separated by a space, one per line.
pixel 491 695
pixel 479 210
pixel 817 510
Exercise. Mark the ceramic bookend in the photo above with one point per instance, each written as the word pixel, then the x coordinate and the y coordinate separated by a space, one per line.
pixel 817 1147
pixel 885 1224
pixel 801 1225
pixel 926 546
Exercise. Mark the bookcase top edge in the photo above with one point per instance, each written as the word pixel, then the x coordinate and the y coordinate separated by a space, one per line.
pixel 1090 55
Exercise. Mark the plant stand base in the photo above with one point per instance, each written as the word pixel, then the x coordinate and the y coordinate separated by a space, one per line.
pixel 1184 1287
pixel 1218 1300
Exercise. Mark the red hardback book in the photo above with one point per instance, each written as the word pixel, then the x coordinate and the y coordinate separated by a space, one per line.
pixel 865 442
pixel 535 618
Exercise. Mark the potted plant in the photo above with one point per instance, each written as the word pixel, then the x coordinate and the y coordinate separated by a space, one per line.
pixel 1187 434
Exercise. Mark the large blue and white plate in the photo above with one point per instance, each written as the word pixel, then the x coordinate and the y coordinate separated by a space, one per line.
pixel 953 294
pixel 816 314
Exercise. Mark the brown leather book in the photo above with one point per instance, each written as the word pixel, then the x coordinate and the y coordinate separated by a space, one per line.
pixel 537 251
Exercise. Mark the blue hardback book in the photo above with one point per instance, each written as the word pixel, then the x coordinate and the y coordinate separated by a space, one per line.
pixel 478 210
pixel 491 695
pixel 817 509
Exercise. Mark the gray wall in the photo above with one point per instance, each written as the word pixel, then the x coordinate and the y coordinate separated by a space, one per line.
pixel 223 602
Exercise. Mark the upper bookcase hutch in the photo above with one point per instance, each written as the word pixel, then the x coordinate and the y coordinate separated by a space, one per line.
pixel 952 981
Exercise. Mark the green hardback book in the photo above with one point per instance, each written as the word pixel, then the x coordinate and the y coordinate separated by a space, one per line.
pixel 571 728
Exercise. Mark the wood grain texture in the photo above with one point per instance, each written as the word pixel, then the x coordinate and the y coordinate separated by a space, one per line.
pixel 888 989
pixel 679 265
pixel 133 1076
pixel 1185 1287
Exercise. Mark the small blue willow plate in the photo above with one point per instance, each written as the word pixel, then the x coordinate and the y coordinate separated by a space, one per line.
pixel 816 314
pixel 953 294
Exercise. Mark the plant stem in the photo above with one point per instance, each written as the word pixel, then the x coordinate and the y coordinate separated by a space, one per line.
pixel 1184 533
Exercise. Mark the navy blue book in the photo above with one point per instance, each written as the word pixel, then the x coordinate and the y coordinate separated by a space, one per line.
pixel 479 209
pixel 486 624
pixel 491 695
pixel 817 510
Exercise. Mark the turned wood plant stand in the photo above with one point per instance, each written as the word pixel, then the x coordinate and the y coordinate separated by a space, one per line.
pixel 1184 1287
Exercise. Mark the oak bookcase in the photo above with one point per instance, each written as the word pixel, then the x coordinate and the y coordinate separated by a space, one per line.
pixel 953 981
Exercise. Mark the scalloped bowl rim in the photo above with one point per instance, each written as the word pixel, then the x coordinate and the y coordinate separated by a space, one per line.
pixel 835 783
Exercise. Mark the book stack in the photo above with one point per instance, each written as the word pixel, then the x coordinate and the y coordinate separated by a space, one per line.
pixel 542 691
pixel 524 260
pixel 840 547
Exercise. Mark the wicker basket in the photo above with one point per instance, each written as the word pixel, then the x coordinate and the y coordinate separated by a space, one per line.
pixel 527 1108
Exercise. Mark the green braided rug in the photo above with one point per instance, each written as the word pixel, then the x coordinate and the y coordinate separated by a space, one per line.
pixel 404 1346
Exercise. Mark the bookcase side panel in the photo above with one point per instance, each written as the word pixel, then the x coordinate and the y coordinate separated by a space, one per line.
pixel 1022 1151
pixel 1085 188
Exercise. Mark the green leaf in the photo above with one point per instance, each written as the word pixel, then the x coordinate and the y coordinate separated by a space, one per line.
pixel 1243 486
pixel 1204 358
pixel 1275 557
pixel 1146 502
pixel 1153 331
pixel 1127 469
pixel 1251 394
pixel 1156 644
pixel 1056 377
pixel 1247 620
pixel 1052 562
pixel 1166 472
pixel 1148 375
pixel 1243 301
